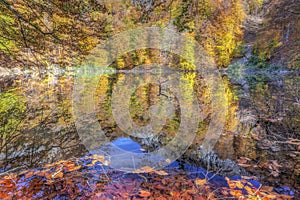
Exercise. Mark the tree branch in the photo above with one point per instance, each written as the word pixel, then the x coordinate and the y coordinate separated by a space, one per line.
pixel 20 17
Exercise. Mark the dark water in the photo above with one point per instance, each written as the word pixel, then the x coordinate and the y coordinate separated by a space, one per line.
pixel 37 122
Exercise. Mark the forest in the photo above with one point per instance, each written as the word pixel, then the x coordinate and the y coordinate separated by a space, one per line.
pixel 150 99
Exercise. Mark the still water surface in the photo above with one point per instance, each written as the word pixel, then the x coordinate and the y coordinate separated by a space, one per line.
pixel 37 124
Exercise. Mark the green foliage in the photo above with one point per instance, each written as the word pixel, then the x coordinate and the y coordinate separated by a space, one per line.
pixel 256 62
pixel 12 110
pixel 6 41
pixel 185 18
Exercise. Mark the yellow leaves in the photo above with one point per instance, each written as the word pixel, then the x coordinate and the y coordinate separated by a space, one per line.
pixel 100 158
pixel 120 63
pixel 62 19
pixel 239 185
pixel 248 189
pixel 96 15
pixel 200 182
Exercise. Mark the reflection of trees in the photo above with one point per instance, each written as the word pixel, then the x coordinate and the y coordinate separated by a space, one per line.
pixel 275 126
pixel 41 127
pixel 276 106
pixel 12 112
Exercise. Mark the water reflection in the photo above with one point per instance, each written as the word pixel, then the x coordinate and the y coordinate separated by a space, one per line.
pixel 37 126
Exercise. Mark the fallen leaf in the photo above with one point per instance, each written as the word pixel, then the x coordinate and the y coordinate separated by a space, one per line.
pixel 175 194
pixel 98 157
pixel 73 168
pixel 230 183
pixel 58 175
pixel 239 185
pixel 248 189
pixel 236 193
pixel 160 172
pixel 144 193
pixel 200 182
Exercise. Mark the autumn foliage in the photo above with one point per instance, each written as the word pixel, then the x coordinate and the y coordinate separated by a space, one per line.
pixel 90 178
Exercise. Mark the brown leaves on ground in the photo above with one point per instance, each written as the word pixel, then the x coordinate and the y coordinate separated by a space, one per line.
pixel 144 193
pixel 73 179
pixel 263 193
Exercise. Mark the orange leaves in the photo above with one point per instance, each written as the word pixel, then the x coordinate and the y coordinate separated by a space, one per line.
pixel 175 194
pixel 29 174
pixel 144 193
pixel 70 178
pixel 236 187
pixel 236 193
pixel 57 175
pixel 264 192
pixel 7 185
pixel 70 167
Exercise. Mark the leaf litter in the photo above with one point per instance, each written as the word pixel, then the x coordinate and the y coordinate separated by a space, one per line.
pixel 91 178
